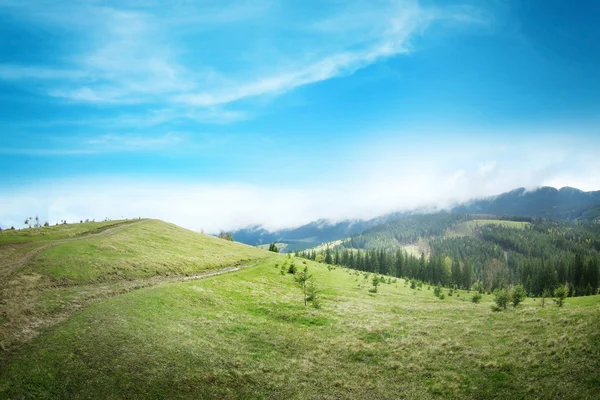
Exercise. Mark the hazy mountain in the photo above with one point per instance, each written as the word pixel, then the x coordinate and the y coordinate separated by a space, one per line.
pixel 545 202
pixel 311 234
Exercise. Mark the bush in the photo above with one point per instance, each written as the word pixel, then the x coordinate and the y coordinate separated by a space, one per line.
pixel 545 294
pixel 292 269
pixel 442 296
pixel 518 295
pixel 450 292
pixel 376 281
pixel 560 294
pixel 312 295
pixel 437 291
pixel 478 287
pixel 476 298
pixel 502 298
pixel 413 284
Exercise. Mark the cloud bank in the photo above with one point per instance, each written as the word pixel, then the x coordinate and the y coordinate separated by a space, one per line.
pixel 437 178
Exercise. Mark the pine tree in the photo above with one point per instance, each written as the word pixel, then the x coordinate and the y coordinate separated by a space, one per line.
pixel 456 273
pixel 399 264
pixel 328 259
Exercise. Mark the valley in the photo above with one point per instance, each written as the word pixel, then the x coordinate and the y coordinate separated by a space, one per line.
pixel 147 309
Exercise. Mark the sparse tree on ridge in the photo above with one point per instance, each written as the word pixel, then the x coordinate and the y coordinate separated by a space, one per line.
pixel 226 236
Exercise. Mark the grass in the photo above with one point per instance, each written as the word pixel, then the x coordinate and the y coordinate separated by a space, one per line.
pixel 280 246
pixel 328 245
pixel 468 228
pixel 144 250
pixel 56 232
pixel 44 282
pixel 248 335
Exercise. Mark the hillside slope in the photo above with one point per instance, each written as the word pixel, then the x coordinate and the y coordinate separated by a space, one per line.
pixel 43 280
pixel 247 335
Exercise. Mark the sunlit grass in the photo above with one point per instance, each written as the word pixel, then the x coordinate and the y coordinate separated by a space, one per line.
pixel 248 335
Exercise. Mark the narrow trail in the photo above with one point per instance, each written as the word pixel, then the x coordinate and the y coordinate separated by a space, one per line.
pixel 207 274
pixel 11 266
pixel 22 294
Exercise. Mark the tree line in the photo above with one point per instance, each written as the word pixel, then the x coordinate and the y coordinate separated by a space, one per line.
pixel 542 257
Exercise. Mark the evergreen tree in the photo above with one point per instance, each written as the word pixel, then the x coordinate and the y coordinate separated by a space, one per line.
pixel 328 259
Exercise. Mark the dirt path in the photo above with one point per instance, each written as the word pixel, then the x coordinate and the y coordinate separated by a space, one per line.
pixel 30 304
pixel 20 306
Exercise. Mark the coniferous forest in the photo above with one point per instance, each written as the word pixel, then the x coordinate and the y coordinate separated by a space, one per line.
pixel 462 251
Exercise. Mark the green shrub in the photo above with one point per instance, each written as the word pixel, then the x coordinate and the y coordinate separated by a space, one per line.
pixel 478 287
pixel 560 294
pixel 476 298
pixel 292 269
pixel 502 298
pixel 376 281
pixel 312 295
pixel 518 295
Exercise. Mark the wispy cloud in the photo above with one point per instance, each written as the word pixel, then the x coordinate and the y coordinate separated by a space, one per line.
pixel 138 54
pixel 107 143
pixel 18 72
pixel 376 186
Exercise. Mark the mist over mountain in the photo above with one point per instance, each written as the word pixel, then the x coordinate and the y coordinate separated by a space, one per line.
pixel 310 234
pixel 566 203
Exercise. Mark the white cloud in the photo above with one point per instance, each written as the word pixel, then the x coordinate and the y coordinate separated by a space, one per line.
pixel 134 54
pixel 439 177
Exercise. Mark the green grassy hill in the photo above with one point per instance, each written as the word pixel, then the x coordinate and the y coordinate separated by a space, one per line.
pixel 47 273
pixel 248 335
pixel 141 331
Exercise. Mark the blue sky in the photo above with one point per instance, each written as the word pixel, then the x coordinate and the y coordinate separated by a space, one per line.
pixel 220 114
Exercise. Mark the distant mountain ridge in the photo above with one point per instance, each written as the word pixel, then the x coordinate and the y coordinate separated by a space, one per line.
pixel 309 234
pixel 545 202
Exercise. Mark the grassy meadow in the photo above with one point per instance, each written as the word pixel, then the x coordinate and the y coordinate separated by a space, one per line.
pixel 43 282
pixel 247 335
pixel 468 228
pixel 55 232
